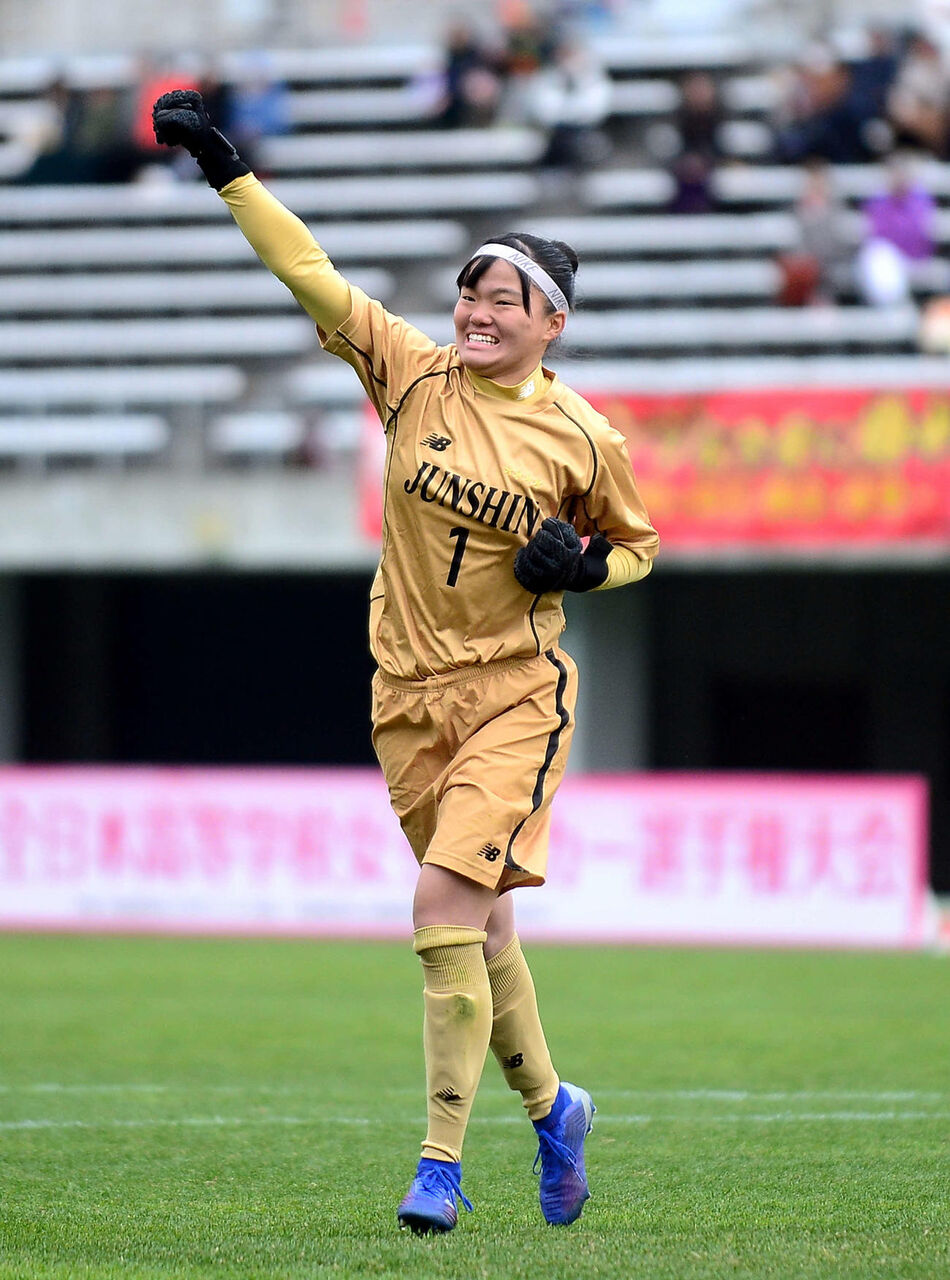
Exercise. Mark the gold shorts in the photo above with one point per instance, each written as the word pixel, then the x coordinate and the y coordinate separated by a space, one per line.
pixel 472 760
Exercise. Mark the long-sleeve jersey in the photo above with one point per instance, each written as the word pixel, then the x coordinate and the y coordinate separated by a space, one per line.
pixel 471 470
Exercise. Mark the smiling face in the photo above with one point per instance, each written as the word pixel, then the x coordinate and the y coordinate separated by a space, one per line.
pixel 495 336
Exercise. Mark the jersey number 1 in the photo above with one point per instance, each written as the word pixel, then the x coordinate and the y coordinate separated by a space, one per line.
pixel 461 534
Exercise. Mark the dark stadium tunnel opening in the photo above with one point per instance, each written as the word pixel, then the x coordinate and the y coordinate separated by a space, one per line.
pixel 809 670
pixel 807 726
pixel 196 668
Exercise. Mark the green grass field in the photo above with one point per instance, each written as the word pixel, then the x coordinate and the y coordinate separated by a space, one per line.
pixel 253 1109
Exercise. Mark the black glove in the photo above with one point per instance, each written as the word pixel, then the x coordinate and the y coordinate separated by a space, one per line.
pixel 555 560
pixel 180 119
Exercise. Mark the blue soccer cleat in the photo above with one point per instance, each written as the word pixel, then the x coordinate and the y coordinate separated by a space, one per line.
pixel 563 1187
pixel 429 1204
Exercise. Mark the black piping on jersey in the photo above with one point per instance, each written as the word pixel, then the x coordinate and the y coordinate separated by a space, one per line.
pixel 366 356
pixel 595 461
pixel 554 741
pixel 590 519
pixel 436 373
pixel 534 630
pixel 595 467
pixel 393 421
pixel 593 451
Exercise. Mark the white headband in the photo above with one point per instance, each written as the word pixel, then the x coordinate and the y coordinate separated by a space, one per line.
pixel 536 274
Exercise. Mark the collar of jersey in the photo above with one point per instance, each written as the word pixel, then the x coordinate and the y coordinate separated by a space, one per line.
pixel 486 386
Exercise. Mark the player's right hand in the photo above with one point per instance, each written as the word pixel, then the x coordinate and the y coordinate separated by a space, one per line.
pixel 551 560
pixel 180 119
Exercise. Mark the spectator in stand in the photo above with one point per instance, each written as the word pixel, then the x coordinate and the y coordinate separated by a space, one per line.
pixel 697 124
pixel 812 274
pixel 872 76
pixel 699 115
pixel 529 41
pixel 86 138
pixel 54 140
pixel 254 107
pixel 818 114
pixel 918 105
pixel 590 15
pixel 101 142
pixel 898 238
pixel 570 99
pixel 692 184
pixel 473 83
pixel 528 46
pixel 155 77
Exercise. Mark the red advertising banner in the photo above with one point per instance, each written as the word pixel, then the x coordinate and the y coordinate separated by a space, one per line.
pixel 827 466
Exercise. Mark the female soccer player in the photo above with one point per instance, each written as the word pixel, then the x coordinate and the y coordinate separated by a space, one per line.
pixel 494 472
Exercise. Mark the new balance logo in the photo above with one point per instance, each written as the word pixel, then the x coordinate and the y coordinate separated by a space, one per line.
pixel 448 1094
pixel 439 443
pixel 516 1060
pixel 489 852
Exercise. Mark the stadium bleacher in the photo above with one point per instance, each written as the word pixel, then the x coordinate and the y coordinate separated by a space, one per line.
pixel 83 435
pixel 123 299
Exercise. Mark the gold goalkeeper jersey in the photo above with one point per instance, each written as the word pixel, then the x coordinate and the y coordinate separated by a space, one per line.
pixel 472 468
pixel 468 478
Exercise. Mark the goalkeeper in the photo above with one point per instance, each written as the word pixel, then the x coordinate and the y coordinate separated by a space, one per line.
pixel 495 472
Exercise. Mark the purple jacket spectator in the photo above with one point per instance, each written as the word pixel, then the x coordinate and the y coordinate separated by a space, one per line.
pixel 904 216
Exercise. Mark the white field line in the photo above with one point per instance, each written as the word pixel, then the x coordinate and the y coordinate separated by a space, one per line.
pixel 223 1122
pixel 778 1117
pixel 678 1095
pixel 795 1095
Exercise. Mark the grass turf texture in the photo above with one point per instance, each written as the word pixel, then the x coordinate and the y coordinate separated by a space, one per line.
pixel 253 1109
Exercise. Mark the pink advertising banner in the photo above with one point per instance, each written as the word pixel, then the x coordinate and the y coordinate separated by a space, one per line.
pixel 672 858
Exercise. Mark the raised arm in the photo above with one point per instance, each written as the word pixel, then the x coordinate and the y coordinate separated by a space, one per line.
pixel 279 237
pixel 285 245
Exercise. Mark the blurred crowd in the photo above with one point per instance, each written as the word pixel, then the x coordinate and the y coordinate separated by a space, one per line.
pixel 532 63
pixel 883 98
pixel 885 103
pixel 103 133
pixel 895 92
pixel 532 67
pixel 528 66
pixel 889 104
pixel 894 256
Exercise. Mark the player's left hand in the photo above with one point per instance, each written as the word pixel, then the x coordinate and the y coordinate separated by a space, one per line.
pixel 551 560
pixel 180 119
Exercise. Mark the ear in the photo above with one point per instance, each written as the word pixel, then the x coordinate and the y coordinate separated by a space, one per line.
pixel 554 325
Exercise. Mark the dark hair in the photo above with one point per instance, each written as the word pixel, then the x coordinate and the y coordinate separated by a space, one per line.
pixel 557 258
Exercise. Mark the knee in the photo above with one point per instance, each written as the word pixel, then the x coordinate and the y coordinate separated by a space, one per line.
pixel 500 927
pixel 443 897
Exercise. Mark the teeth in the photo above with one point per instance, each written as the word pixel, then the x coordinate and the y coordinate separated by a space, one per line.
pixel 485 338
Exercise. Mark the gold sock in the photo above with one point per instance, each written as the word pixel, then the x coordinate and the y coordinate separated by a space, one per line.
pixel 517 1037
pixel 456 1029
